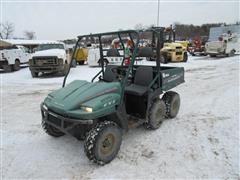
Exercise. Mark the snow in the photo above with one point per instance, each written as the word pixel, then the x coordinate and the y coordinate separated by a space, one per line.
pixel 201 142
pixel 28 42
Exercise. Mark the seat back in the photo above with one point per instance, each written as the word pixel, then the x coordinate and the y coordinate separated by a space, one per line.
pixel 109 76
pixel 143 76
pixel 145 52
pixel 113 53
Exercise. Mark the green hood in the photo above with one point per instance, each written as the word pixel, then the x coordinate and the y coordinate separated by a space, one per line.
pixel 82 93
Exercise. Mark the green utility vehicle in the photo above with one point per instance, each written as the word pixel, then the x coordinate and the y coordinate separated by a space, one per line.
pixel 119 97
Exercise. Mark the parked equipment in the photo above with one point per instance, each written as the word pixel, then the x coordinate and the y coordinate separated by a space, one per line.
pixel 119 97
pixel 197 46
pixel 81 55
pixel 12 56
pixel 49 58
pixel 172 51
pixel 227 44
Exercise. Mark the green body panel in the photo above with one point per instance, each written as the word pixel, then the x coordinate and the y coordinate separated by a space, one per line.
pixel 100 96
pixel 171 77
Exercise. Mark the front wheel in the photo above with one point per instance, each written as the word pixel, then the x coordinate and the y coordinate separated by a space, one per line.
pixel 163 59
pixel 103 142
pixel 7 68
pixel 34 74
pixel 213 55
pixel 185 57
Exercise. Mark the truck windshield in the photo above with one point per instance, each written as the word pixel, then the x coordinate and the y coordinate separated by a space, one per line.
pixel 42 47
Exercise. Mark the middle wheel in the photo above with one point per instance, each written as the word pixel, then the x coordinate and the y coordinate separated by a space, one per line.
pixel 156 114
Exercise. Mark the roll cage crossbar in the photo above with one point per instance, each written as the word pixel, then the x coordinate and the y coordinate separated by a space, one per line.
pixel 157 38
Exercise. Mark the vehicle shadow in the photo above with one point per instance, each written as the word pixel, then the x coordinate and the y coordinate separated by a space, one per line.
pixel 208 58
pixel 3 72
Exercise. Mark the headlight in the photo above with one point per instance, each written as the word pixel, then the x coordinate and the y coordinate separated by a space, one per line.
pixel 45 107
pixel 87 109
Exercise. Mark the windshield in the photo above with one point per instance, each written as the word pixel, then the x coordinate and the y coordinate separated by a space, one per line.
pixel 42 47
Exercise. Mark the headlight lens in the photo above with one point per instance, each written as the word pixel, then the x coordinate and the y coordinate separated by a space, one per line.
pixel 30 62
pixel 87 109
pixel 45 107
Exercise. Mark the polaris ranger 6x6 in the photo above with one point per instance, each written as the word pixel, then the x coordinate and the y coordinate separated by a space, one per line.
pixel 119 97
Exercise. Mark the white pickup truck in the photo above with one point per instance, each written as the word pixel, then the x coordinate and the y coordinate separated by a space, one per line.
pixel 94 57
pixel 11 57
pixel 228 44
pixel 49 58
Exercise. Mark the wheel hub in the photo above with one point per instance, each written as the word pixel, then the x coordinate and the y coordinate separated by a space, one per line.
pixel 107 144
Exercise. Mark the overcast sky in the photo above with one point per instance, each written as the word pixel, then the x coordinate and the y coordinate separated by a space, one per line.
pixel 63 20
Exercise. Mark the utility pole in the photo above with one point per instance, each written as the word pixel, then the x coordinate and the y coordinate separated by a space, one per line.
pixel 158 13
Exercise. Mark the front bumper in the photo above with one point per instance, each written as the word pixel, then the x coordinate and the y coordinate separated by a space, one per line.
pixel 47 68
pixel 60 122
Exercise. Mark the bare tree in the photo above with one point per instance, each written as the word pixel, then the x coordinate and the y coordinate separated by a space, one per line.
pixel 6 30
pixel 139 26
pixel 30 34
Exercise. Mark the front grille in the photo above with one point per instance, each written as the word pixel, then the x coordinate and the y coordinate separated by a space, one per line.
pixel 58 122
pixel 178 53
pixel 178 47
pixel 41 61
pixel 54 120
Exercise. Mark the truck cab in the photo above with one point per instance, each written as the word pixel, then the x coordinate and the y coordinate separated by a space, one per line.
pixel 49 58
pixel 12 56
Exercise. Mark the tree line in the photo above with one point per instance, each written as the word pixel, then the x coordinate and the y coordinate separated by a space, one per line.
pixel 189 31
pixel 7 30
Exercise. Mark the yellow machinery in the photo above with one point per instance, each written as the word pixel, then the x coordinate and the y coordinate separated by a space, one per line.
pixel 173 51
pixel 184 43
pixel 81 55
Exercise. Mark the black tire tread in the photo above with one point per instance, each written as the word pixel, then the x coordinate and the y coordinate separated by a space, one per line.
pixel 91 140
pixel 167 98
pixel 148 124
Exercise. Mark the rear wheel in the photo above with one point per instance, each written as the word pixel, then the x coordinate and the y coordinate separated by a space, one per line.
pixel 156 115
pixel 232 52
pixel 16 66
pixel 105 63
pixel 172 102
pixel 50 130
pixel 103 142
pixel 185 57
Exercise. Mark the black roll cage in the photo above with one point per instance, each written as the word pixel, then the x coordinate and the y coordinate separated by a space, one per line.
pixel 158 34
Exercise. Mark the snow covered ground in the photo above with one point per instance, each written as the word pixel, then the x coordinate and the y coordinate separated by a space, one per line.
pixel 202 142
